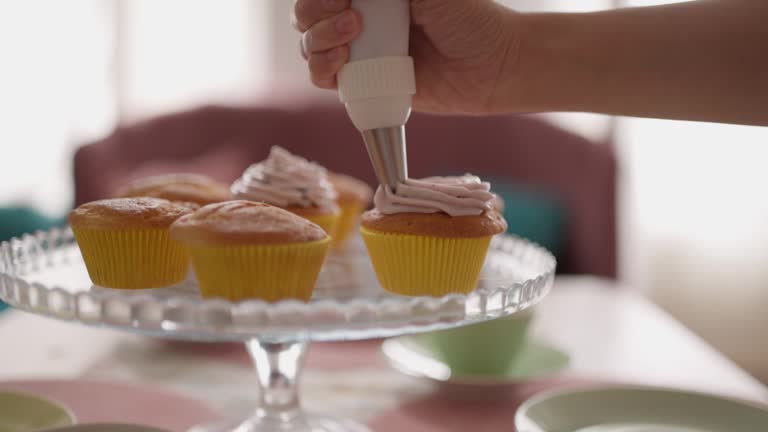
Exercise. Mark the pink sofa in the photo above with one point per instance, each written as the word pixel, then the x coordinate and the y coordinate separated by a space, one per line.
pixel 222 141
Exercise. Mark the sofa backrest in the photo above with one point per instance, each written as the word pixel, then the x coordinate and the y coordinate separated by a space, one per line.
pixel 524 150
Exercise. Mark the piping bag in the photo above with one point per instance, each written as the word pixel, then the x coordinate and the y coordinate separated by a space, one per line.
pixel 378 84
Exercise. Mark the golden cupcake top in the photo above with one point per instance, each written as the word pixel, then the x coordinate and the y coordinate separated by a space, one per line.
pixel 310 212
pixel 488 223
pixel 245 222
pixel 350 189
pixel 183 187
pixel 117 213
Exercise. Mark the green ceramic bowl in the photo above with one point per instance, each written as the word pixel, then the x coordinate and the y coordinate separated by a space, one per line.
pixel 638 409
pixel 486 349
pixel 21 412
pixel 106 427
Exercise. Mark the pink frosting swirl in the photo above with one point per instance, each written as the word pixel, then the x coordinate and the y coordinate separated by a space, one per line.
pixel 456 196
pixel 283 180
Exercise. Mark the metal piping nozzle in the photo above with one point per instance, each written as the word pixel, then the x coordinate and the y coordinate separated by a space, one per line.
pixel 386 148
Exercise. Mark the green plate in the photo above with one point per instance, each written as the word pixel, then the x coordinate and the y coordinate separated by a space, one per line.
pixel 105 427
pixel 21 412
pixel 638 409
pixel 535 360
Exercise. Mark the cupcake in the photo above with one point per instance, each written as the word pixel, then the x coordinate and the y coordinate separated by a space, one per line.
pixel 498 203
pixel 243 249
pixel 430 237
pixel 195 188
pixel 125 242
pixel 354 197
pixel 291 183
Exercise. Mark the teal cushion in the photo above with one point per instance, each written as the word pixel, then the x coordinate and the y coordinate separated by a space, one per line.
pixel 15 221
pixel 532 214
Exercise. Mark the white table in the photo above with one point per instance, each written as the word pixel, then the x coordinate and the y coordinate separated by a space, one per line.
pixel 610 332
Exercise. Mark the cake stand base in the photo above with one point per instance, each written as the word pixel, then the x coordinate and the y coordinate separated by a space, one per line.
pixel 307 423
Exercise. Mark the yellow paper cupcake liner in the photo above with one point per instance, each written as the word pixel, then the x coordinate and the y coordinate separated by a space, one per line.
pixel 132 258
pixel 415 265
pixel 327 222
pixel 267 272
pixel 350 215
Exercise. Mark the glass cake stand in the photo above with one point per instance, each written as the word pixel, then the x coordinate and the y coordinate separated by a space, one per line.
pixel 44 274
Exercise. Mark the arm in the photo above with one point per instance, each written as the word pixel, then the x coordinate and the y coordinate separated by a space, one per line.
pixel 704 60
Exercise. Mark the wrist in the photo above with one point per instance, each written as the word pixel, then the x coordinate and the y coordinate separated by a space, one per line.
pixel 546 64
pixel 507 81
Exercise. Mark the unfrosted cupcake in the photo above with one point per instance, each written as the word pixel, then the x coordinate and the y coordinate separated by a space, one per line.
pixel 432 235
pixel 184 187
pixel 243 249
pixel 293 183
pixel 354 197
pixel 125 242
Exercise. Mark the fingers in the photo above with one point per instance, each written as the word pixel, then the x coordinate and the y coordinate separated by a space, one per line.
pixel 323 66
pixel 332 32
pixel 327 27
pixel 308 12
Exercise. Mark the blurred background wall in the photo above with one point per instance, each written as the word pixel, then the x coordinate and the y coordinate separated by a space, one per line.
pixel 693 214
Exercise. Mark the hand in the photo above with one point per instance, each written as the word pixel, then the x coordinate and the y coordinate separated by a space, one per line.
pixel 464 51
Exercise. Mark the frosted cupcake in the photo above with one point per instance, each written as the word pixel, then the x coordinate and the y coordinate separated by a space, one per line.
pixel 292 183
pixel 354 197
pixel 125 242
pixel 430 237
pixel 243 249
pixel 184 187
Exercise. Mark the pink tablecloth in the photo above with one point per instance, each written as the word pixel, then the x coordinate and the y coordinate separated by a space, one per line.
pixel 326 355
pixel 447 411
pixel 448 408
pixel 112 402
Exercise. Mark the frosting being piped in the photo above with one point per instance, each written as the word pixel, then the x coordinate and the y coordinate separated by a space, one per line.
pixel 284 180
pixel 456 196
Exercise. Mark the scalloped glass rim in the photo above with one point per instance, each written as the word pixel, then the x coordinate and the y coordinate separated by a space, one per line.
pixel 177 314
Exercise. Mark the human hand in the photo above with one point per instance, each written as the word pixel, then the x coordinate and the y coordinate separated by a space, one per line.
pixel 464 51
